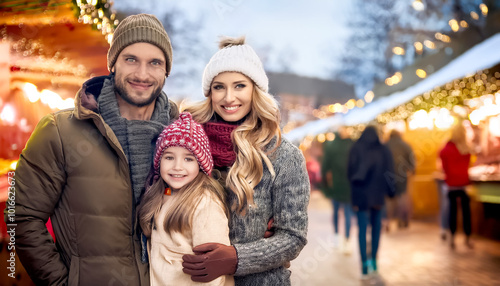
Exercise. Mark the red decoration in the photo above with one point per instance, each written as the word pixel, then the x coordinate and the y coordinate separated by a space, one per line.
pixel 70 26
pixel 168 192
pixel 15 68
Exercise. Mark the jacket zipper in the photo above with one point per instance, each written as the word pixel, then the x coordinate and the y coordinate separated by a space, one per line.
pixel 97 119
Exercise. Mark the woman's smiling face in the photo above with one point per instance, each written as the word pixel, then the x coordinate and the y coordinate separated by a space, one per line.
pixel 231 94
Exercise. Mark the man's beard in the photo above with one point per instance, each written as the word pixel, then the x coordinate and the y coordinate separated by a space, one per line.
pixel 120 89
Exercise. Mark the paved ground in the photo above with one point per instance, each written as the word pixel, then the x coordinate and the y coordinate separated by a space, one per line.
pixel 414 256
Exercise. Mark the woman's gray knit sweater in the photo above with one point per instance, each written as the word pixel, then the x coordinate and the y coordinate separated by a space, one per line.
pixel 284 198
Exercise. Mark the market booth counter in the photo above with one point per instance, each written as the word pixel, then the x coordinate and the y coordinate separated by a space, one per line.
pixel 485 200
pixel 485 174
pixel 422 187
pixel 484 190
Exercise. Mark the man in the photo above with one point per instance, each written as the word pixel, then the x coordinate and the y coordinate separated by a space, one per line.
pixel 404 165
pixel 85 168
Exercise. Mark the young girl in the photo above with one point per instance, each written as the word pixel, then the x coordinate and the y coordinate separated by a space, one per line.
pixel 182 207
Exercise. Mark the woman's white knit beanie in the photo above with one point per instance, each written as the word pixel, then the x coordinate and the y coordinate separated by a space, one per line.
pixel 235 57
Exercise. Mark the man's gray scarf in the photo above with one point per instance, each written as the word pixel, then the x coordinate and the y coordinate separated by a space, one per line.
pixel 137 137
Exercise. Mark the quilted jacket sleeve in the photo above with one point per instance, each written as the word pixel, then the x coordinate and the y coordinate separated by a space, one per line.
pixel 39 180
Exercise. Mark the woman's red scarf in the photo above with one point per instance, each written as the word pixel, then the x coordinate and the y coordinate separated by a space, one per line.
pixel 221 146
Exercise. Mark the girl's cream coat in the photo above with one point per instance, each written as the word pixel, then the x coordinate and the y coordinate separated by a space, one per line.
pixel 209 224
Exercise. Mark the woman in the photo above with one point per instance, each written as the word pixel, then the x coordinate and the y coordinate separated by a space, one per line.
pixel 455 158
pixel 371 175
pixel 265 175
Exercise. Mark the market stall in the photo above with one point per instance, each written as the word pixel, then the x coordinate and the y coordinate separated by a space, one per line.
pixel 468 88
pixel 48 48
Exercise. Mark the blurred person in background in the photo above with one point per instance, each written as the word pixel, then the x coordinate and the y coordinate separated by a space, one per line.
pixel 313 170
pixel 404 165
pixel 444 202
pixel 370 169
pixel 335 184
pixel 455 159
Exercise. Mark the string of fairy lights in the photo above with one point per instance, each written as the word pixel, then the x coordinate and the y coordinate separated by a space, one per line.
pixel 326 110
pixel 53 65
pixel 97 13
pixel 456 93
pixel 475 98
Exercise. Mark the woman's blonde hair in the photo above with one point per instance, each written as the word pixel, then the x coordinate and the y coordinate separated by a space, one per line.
pixel 179 216
pixel 459 138
pixel 250 141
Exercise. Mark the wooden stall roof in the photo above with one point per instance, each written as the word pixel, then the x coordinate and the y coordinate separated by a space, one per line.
pixel 49 46
pixel 36 12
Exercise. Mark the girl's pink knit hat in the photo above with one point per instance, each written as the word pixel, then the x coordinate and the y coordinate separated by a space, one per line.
pixel 187 133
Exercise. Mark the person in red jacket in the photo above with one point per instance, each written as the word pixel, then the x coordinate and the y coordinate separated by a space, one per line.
pixel 455 158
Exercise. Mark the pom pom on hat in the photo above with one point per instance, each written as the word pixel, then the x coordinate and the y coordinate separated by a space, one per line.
pixel 137 29
pixel 187 133
pixel 235 56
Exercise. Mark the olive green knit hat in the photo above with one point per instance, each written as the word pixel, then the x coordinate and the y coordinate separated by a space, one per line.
pixel 136 29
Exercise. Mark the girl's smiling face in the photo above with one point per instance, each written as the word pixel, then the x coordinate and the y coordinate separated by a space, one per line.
pixel 178 167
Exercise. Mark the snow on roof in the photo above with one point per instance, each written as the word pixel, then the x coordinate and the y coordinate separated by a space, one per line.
pixel 482 56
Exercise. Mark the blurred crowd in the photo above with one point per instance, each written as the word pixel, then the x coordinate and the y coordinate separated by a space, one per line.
pixel 368 178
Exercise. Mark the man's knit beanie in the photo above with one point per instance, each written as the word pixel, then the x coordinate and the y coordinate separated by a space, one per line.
pixel 235 56
pixel 187 133
pixel 140 28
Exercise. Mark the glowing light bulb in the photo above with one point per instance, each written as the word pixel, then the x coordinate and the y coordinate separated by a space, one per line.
pixel 8 114
pixel 421 73
pixel 31 91
pixel 398 51
pixel 321 138
pixel 369 96
pixel 330 136
pixel 418 5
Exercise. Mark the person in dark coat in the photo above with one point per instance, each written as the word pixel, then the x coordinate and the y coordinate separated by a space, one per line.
pixel 370 172
pixel 404 164
pixel 335 184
